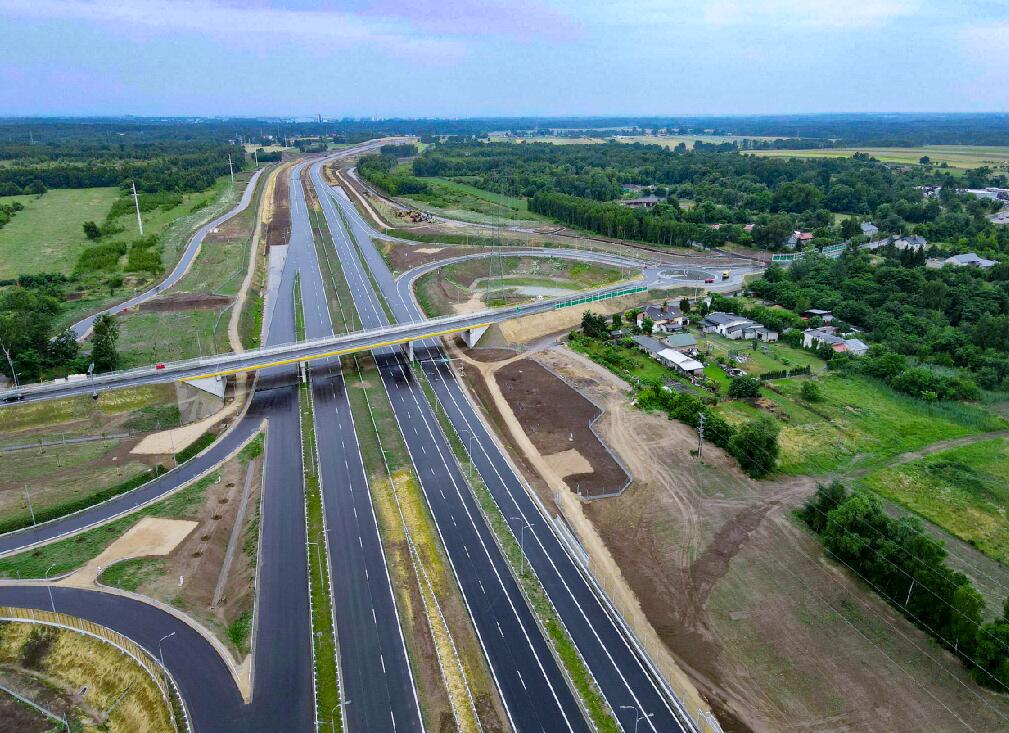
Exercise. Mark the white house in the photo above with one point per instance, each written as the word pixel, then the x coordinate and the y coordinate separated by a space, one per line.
pixel 665 319
pixel 687 365
pixel 736 327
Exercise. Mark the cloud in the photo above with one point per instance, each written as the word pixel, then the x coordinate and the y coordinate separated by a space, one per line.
pixel 232 23
pixel 808 14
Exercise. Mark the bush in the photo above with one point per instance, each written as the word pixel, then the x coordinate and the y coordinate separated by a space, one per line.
pixel 810 392
pixel 195 448
pixel 745 387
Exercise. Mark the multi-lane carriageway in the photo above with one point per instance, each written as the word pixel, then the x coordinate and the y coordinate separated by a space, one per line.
pixel 530 681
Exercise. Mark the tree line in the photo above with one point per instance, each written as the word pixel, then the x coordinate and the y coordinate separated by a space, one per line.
pixel 905 565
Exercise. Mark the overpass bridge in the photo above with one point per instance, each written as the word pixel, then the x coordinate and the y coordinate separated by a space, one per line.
pixel 470 325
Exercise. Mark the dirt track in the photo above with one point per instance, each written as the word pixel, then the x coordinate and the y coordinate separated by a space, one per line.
pixel 774 635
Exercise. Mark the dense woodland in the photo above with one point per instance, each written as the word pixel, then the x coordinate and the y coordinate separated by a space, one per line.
pixel 581 185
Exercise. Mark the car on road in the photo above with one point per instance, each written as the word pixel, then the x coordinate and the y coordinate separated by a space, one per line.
pixel 709 280
pixel 160 365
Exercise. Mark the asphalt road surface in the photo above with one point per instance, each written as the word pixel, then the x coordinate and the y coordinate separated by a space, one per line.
pixel 624 677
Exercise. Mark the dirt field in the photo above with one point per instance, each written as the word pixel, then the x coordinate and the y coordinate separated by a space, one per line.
pixel 18 718
pixel 774 635
pixel 278 229
pixel 403 257
pixel 565 436
pixel 184 302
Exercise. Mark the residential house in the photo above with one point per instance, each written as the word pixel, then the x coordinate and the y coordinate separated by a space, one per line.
pixel 869 229
pixel 814 337
pixel 632 187
pixel 736 327
pixel 682 362
pixel 798 239
pixel 683 342
pixel 645 202
pixel 971 259
pixel 665 318
pixel 825 316
pixel 912 242
pixel 649 345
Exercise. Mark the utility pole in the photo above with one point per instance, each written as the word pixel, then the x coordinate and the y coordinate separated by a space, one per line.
pixel 700 433
pixel 10 363
pixel 255 156
pixel 50 588
pixel 231 167
pixel 136 202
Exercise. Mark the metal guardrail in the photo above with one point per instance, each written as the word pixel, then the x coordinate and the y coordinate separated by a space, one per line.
pixel 158 674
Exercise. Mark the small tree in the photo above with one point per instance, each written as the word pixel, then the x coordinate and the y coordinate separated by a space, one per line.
pixel 925 160
pixel 618 321
pixel 755 445
pixel 810 391
pixel 91 230
pixel 103 343
pixel 647 324
pixel 745 387
pixel 594 326
pixel 684 305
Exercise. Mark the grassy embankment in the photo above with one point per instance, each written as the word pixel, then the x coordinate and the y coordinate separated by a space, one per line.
pixel 48 237
pixel 508 280
pixel 215 276
pixel 560 641
pixel 73 552
pixel 964 490
pixel 62 478
pixel 457 199
pixel 57 664
pixel 324 645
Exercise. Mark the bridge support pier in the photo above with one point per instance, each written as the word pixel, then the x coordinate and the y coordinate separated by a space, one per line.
pixel 472 335
pixel 408 348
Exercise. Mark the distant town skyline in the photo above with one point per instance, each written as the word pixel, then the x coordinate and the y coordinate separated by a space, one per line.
pixel 529 57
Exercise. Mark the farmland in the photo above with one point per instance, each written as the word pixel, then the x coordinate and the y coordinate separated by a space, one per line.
pixel 956 156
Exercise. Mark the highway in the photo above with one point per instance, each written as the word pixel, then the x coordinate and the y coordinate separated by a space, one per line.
pixel 624 677
pixel 374 666
pixel 283 677
pixel 532 687
pixel 375 670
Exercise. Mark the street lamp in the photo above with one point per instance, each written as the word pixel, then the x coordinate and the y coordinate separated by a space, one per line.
pixel 638 717
pixel 49 587
pixel 161 654
pixel 522 543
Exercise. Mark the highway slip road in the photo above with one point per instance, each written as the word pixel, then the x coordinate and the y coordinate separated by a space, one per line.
pixel 624 676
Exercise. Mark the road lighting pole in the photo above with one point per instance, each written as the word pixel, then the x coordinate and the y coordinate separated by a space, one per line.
pixel 638 717
pixel 522 544
pixel 161 654
pixel 10 363
pixel 30 509
pixel 50 588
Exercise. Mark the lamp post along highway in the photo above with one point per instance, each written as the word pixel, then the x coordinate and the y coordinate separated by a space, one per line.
pixel 48 587
pixel 136 203
pixel 161 654
pixel 638 717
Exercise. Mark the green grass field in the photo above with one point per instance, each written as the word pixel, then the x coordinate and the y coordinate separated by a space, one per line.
pixel 861 422
pixel 47 235
pixel 964 490
pixel 145 338
pixel 667 141
pixel 957 156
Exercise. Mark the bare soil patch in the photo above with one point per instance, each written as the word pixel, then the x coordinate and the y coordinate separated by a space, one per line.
pixel 404 257
pixel 559 420
pixel 490 355
pixel 184 302
pixel 774 635
pixel 278 228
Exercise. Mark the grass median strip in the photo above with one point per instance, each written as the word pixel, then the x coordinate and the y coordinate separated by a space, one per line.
pixel 574 665
pixel 324 646
pixel 367 270
pixel 419 568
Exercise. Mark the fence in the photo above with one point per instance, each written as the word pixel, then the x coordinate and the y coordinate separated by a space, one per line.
pixel 158 674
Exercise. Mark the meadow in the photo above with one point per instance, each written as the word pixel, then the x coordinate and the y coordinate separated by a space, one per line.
pixel 956 156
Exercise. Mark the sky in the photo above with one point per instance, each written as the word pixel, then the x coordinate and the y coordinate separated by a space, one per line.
pixel 462 58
